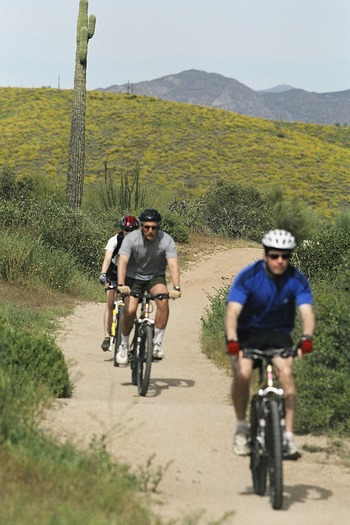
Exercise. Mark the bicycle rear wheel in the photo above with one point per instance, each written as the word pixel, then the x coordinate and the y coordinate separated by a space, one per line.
pixel 274 447
pixel 144 360
pixel 258 459
pixel 118 332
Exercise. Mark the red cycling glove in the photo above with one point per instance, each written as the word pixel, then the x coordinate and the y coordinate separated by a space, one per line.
pixel 232 347
pixel 306 344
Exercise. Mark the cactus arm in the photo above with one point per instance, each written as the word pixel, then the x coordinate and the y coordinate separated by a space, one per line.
pixel 91 26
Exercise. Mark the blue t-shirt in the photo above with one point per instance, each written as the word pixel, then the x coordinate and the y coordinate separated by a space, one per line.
pixel 269 302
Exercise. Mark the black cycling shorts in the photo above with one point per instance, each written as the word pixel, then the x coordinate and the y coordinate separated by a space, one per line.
pixel 136 285
pixel 264 339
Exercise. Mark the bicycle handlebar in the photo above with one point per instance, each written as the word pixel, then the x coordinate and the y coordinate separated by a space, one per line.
pixel 256 353
pixel 148 296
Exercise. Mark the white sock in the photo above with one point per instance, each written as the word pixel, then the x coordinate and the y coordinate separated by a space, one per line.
pixel 125 340
pixel 158 335
pixel 241 424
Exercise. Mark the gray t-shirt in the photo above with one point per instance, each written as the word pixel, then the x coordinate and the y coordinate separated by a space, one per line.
pixel 147 259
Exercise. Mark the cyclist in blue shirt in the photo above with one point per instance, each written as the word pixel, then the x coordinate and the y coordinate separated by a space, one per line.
pixel 260 313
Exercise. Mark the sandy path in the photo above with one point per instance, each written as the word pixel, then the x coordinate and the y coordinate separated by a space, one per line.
pixel 186 421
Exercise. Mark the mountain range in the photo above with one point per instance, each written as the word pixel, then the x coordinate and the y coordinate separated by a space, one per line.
pixel 283 103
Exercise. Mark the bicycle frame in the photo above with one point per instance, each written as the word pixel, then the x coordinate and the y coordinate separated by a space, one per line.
pixel 118 312
pixel 267 426
pixel 142 321
pixel 141 354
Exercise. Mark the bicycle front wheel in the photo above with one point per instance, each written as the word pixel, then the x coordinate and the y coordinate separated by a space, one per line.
pixel 133 362
pixel 274 448
pixel 144 360
pixel 118 332
pixel 258 459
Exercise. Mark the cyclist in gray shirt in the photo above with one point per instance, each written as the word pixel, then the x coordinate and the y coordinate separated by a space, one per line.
pixel 143 259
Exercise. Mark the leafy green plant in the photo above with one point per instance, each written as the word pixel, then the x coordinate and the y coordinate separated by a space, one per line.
pixel 24 258
pixel 21 401
pixel 33 357
pixel 13 188
pixel 323 378
pixel 73 231
pixel 212 334
pixel 236 210
pixel 173 224
pixel 324 255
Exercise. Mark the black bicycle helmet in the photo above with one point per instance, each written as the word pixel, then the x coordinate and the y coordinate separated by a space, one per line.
pixel 150 214
pixel 129 223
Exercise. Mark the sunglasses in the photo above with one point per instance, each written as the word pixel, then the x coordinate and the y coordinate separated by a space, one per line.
pixel 150 227
pixel 275 256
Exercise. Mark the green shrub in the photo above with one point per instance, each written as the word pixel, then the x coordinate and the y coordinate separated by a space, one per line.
pixel 325 255
pixel 212 335
pixel 13 188
pixel 21 400
pixel 33 357
pixel 191 213
pixel 323 378
pixel 292 215
pixel 77 233
pixel 24 258
pixel 173 224
pixel 236 210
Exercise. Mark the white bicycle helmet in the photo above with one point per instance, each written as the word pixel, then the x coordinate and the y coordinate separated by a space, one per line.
pixel 279 239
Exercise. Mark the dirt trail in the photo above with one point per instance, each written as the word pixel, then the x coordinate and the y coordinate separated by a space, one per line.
pixel 186 421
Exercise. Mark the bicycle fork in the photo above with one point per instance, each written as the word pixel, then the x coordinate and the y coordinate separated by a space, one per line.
pixel 268 392
pixel 145 321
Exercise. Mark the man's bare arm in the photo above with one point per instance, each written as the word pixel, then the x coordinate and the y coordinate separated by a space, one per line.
pixel 233 310
pixel 173 265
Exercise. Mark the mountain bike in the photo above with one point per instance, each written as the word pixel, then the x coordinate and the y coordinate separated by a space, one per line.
pixel 141 349
pixel 267 425
pixel 116 330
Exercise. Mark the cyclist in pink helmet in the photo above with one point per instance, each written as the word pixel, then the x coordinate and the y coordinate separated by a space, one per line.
pixel 109 272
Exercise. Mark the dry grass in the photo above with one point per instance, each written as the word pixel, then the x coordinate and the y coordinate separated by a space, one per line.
pixel 35 296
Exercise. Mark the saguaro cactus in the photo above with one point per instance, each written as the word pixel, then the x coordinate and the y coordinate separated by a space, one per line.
pixel 76 160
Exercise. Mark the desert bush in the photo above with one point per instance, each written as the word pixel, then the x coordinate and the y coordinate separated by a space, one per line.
pixel 242 211
pixel 292 215
pixel 212 334
pixel 73 231
pixel 13 188
pixel 323 378
pixel 21 400
pixel 236 210
pixel 325 255
pixel 342 220
pixel 33 357
pixel 24 258
pixel 174 225
pixel 191 213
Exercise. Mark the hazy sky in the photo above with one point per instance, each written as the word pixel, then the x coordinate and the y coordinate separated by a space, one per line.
pixel 261 43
